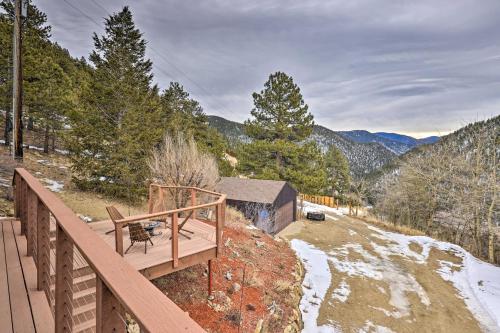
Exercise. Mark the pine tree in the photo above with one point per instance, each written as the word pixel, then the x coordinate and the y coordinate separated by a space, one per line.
pixel 119 120
pixel 281 123
pixel 337 170
pixel 181 113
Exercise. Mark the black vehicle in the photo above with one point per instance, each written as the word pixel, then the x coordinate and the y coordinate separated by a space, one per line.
pixel 316 216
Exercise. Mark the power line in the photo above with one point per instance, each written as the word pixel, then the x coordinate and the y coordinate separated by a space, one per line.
pixel 165 59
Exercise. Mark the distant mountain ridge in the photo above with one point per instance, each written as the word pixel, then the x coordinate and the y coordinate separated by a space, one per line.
pixel 365 151
pixel 397 143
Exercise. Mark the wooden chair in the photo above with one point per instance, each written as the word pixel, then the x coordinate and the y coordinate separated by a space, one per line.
pixel 136 231
pixel 138 234
pixel 115 215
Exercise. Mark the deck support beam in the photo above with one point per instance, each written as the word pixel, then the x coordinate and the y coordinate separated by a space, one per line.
pixel 209 277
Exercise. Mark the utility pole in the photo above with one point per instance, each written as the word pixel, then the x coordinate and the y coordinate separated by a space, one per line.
pixel 17 89
pixel 8 120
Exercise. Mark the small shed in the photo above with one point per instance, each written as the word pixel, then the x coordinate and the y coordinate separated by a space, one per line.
pixel 270 204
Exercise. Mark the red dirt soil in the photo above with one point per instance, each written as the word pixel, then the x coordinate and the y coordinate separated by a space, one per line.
pixel 269 275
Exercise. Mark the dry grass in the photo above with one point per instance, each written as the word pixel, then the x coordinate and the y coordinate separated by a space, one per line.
pixel 282 286
pixel 391 227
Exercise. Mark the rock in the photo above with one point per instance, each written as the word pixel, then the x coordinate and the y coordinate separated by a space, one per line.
pixel 250 307
pixel 228 276
pixel 258 328
pixel 259 244
pixel 235 288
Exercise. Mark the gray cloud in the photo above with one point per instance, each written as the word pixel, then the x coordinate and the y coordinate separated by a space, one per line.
pixel 417 67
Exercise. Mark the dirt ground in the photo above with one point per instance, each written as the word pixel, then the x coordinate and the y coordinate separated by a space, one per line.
pixel 432 307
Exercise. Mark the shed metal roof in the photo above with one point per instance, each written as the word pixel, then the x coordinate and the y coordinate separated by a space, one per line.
pixel 252 190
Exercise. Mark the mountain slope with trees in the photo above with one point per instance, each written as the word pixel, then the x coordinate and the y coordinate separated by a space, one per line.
pixel 449 189
pixel 363 157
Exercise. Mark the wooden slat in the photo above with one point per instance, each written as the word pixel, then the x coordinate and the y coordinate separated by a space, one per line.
pixel 107 310
pixel 32 201
pixel 40 309
pixel 43 247
pixel 64 282
pixel 5 313
pixel 22 320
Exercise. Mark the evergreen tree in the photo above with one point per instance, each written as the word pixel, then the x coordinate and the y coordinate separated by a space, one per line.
pixel 49 74
pixel 181 113
pixel 118 121
pixel 337 171
pixel 281 123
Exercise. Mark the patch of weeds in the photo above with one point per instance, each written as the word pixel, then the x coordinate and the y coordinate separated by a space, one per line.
pixel 234 317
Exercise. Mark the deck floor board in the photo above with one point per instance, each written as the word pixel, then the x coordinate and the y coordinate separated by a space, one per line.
pixel 202 239
pixel 22 307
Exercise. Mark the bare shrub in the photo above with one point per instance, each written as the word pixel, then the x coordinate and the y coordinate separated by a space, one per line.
pixel 179 162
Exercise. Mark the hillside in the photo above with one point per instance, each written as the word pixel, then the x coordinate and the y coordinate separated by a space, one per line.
pixel 460 139
pixel 363 157
pixel 397 143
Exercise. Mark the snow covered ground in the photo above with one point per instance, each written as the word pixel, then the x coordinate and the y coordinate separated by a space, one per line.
pixel 53 185
pixel 477 282
pixel 311 207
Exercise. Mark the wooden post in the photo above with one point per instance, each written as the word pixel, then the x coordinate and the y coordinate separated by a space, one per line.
pixel 31 227
pixel 193 201
pixel 43 247
pixel 17 196
pixel 24 207
pixel 337 203
pixel 119 239
pixel 175 240
pixel 209 277
pixel 64 282
pixel 108 310
pixel 150 200
pixel 218 228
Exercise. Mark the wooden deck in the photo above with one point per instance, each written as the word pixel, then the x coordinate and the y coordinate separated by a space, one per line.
pixel 158 260
pixel 22 307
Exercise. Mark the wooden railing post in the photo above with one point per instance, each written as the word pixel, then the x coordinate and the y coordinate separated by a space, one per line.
pixel 119 239
pixel 23 207
pixel 108 310
pixel 64 282
pixel 17 196
pixel 175 240
pixel 32 201
pixel 43 247
pixel 218 228
pixel 193 201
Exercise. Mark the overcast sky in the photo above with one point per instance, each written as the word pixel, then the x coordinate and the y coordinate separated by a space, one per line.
pixel 415 67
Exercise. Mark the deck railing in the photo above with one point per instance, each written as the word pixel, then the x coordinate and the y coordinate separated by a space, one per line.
pixel 120 290
pixel 183 195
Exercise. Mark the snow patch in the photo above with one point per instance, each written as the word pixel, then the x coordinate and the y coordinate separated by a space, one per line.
pixel 477 282
pixel 342 292
pixel 317 280
pixel 53 185
pixel 312 207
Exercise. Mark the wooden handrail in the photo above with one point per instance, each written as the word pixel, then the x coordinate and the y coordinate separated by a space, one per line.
pixel 153 311
pixel 186 188
pixel 148 216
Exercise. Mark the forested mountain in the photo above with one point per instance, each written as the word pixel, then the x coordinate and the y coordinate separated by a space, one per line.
pixel 397 143
pixel 363 157
pixel 448 189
